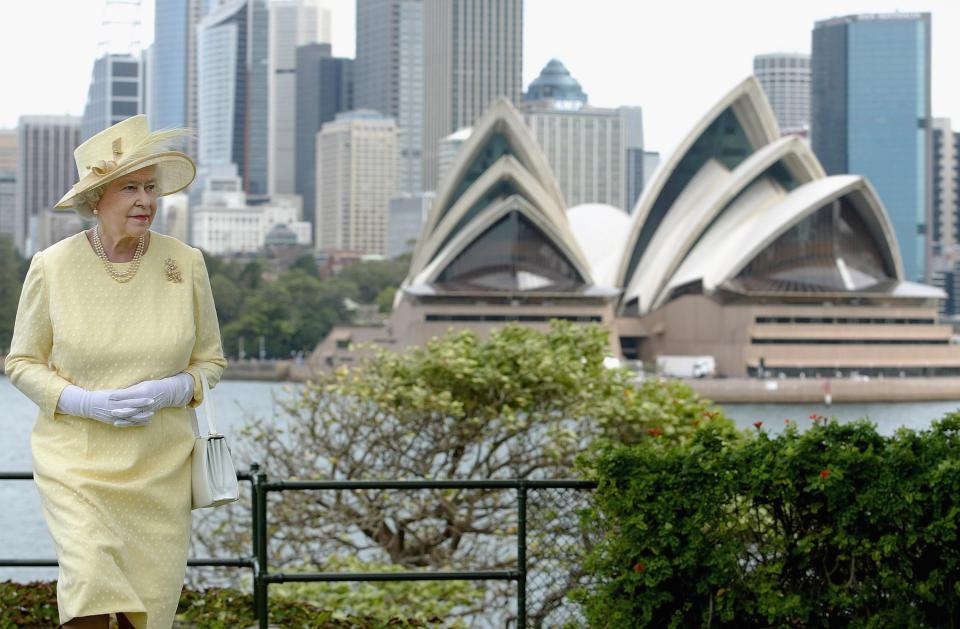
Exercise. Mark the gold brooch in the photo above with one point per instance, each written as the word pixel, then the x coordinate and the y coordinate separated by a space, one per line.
pixel 172 270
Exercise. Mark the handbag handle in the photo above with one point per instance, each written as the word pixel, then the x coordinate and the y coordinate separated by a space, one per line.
pixel 207 405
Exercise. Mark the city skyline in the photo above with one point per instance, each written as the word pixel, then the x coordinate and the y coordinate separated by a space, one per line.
pixel 616 50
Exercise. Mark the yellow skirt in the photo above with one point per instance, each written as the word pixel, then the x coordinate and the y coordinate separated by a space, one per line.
pixel 117 503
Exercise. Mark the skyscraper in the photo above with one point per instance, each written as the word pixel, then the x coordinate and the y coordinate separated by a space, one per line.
pixel 232 106
pixel 945 173
pixel 324 88
pixel 292 23
pixel 356 177
pixel 389 75
pixel 474 54
pixel 173 73
pixel 115 93
pixel 871 115
pixel 45 170
pixel 785 77
pixel 8 181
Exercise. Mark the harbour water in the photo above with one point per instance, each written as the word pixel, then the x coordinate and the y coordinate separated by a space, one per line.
pixel 23 533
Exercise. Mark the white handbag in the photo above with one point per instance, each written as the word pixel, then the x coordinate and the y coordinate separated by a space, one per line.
pixel 214 476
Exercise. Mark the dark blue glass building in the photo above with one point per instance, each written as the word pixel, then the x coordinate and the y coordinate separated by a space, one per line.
pixel 871 115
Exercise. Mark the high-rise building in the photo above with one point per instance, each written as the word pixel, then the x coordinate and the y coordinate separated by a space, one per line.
pixel 173 71
pixel 356 177
pixel 389 75
pixel 785 77
pixel 596 154
pixel 293 23
pixel 8 181
pixel 45 170
pixel 407 214
pixel 473 51
pixel 945 226
pixel 115 93
pixel 871 115
pixel 233 112
pixel 324 88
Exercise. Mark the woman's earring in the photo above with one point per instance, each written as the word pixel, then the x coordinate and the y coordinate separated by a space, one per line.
pixel 95 211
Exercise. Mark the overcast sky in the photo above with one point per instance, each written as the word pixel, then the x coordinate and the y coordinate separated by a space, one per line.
pixel 673 58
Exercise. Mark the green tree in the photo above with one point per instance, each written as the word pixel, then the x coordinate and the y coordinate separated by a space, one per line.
pixel 11 282
pixel 227 297
pixel 371 277
pixel 521 404
pixel 306 263
pixel 292 314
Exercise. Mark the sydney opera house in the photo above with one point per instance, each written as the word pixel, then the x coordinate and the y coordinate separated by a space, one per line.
pixel 740 248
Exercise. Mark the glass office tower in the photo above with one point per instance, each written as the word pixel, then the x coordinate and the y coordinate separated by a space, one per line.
pixel 871 115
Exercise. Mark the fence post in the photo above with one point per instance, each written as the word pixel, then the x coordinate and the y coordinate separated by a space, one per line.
pixel 254 537
pixel 522 555
pixel 260 547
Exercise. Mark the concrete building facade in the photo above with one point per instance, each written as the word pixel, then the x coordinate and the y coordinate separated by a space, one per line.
pixel 8 181
pixel 785 77
pixel 45 169
pixel 324 88
pixel 356 178
pixel 389 75
pixel 115 93
pixel 473 51
pixel 871 116
pixel 293 23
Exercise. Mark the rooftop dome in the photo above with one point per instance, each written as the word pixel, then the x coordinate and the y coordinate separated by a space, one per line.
pixel 280 235
pixel 555 84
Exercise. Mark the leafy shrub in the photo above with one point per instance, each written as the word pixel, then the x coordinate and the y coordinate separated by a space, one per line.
pixel 835 527
pixel 34 606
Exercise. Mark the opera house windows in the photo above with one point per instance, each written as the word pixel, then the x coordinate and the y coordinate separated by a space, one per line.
pixel 514 256
pixel 830 250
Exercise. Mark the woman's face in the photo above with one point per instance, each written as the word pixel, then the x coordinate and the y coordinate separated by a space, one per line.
pixel 129 204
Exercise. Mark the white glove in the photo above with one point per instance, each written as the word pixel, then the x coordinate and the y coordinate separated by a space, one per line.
pixel 105 407
pixel 175 391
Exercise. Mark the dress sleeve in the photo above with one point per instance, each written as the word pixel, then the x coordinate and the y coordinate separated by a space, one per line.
pixel 207 353
pixel 28 363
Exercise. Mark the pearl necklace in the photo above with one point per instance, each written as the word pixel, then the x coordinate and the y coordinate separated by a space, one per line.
pixel 120 276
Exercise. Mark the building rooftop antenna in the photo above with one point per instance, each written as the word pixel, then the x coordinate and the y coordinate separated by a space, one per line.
pixel 120 28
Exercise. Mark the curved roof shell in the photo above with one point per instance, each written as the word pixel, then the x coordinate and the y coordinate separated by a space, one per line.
pixel 737 125
pixel 787 162
pixel 761 217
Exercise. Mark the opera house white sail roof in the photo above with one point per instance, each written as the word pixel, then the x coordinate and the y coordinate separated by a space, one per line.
pixel 724 211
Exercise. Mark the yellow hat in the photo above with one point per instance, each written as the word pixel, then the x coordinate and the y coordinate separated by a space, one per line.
pixel 126 147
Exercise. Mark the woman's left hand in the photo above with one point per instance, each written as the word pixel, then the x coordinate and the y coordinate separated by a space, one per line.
pixel 175 391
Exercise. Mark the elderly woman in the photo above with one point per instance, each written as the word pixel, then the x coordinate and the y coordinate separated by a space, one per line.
pixel 114 327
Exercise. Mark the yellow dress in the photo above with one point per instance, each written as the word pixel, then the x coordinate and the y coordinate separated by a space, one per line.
pixel 116 500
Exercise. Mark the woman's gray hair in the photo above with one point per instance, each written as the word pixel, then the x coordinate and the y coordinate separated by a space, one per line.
pixel 85 201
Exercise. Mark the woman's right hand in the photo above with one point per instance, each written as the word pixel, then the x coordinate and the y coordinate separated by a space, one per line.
pixel 103 407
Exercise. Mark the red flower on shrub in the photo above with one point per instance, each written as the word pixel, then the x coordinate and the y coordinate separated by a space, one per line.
pixel 639 567
pixel 710 414
pixel 757 425
pixel 813 416
pixel 654 432
pixel 824 473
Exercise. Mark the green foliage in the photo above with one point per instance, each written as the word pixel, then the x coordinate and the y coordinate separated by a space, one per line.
pixel 31 605
pixel 418 600
pixel 11 281
pixel 371 277
pixel 385 299
pixel 520 404
pixel 34 606
pixel 306 263
pixel 838 526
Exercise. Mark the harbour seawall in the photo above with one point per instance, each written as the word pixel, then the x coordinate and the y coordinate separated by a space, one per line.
pixel 796 390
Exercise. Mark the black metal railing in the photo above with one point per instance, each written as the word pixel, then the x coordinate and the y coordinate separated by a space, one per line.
pixel 258 560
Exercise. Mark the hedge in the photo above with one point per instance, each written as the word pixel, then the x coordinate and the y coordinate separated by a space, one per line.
pixel 34 606
pixel 835 526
